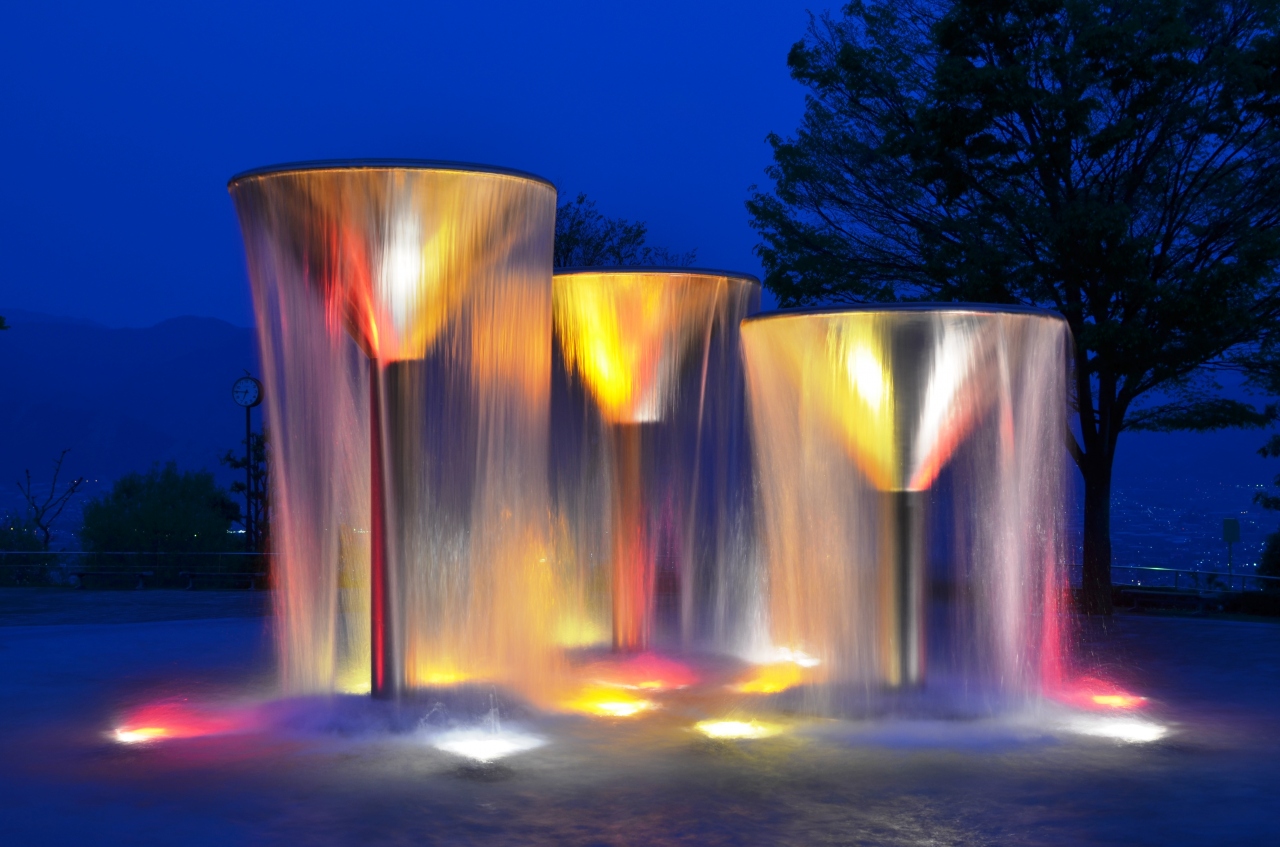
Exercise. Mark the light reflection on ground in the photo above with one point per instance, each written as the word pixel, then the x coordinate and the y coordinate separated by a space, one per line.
pixel 1184 767
pixel 486 746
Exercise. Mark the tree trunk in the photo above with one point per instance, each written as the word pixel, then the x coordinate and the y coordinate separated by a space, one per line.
pixel 1096 587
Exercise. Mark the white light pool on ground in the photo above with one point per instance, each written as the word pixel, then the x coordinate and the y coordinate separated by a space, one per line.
pixel 483 746
pixel 1126 728
pixel 735 729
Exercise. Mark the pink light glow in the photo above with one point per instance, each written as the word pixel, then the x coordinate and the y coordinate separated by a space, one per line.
pixel 170 719
pixel 643 672
pixel 1098 695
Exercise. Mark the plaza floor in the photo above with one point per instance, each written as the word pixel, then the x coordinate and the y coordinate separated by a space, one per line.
pixel 70 662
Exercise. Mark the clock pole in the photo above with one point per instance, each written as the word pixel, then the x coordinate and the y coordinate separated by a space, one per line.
pixel 247 392
pixel 248 479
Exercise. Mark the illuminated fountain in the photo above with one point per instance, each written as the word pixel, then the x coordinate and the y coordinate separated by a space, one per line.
pixel 434 527
pixel 657 352
pixel 911 468
pixel 404 318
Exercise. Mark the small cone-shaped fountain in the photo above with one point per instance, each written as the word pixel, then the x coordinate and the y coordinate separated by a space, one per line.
pixel 440 273
pixel 898 391
pixel 627 333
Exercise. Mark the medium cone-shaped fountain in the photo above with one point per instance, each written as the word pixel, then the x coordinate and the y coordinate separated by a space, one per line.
pixel 897 392
pixel 628 334
pixel 441 274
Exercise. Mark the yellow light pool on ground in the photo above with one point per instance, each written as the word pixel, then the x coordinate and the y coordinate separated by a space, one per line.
pixel 145 733
pixel 735 729
pixel 609 702
pixel 771 679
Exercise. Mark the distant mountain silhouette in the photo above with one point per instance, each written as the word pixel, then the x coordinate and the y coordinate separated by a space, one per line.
pixel 121 399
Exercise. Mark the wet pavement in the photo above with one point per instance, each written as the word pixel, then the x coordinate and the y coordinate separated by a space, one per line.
pixel 331 772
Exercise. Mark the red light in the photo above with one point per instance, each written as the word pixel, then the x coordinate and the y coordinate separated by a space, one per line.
pixel 645 672
pixel 1096 694
pixel 178 719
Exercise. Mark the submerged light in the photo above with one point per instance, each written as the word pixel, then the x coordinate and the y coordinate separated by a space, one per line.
pixel 772 679
pixel 1119 701
pixel 1093 693
pixel 173 719
pixel 484 746
pixel 735 729
pixel 609 702
pixel 643 672
pixel 1128 729
pixel 145 733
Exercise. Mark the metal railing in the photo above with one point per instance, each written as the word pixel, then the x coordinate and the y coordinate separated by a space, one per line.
pixel 1184 578
pixel 79 569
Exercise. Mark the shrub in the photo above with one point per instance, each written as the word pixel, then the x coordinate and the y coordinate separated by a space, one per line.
pixel 163 510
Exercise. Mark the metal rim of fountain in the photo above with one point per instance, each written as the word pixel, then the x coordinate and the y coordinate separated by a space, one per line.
pixel 636 270
pixel 387 165
pixel 871 308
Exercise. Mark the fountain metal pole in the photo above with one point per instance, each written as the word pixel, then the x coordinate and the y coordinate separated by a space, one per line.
pixel 385 669
pixel 903 589
pixel 631 562
pixel 910 346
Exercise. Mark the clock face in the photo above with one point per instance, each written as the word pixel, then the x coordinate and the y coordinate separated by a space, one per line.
pixel 247 391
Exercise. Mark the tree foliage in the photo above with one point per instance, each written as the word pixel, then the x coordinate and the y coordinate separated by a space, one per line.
pixel 19 534
pixel 163 510
pixel 256 519
pixel 1117 161
pixel 585 238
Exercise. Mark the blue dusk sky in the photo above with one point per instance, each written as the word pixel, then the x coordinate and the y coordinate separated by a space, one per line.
pixel 123 122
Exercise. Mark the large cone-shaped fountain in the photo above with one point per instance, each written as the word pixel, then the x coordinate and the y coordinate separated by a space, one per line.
pixel 440 275
pixel 629 335
pixel 856 414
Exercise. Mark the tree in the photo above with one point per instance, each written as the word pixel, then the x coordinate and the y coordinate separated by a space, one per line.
pixel 42 513
pixel 585 238
pixel 163 510
pixel 1118 162
pixel 258 512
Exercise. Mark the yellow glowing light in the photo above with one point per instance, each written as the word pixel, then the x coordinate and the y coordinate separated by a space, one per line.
pixel 442 678
pixel 394 251
pixel 866 376
pixel 735 729
pixel 608 702
pixel 900 435
pixel 146 733
pixel 580 632
pixel 1119 701
pixel 626 333
pixel 771 679
pixel 862 403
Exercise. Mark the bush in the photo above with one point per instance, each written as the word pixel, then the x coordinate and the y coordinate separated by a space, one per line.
pixel 19 535
pixel 163 510
pixel 1269 563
